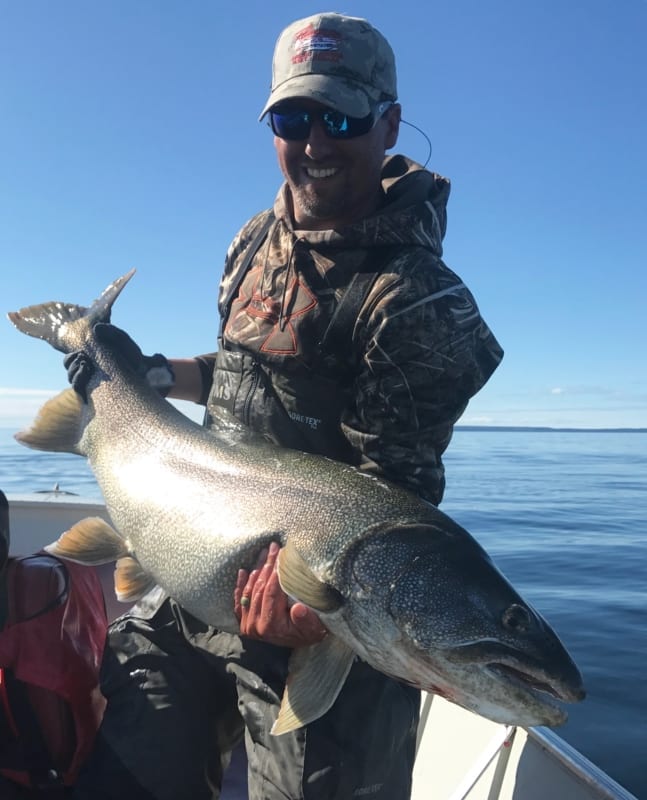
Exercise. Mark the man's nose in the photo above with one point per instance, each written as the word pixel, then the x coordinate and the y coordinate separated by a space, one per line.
pixel 318 143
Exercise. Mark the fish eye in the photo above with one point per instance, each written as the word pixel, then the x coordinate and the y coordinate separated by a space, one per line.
pixel 516 618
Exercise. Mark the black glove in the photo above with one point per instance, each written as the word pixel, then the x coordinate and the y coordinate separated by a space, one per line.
pixel 156 369
pixel 79 371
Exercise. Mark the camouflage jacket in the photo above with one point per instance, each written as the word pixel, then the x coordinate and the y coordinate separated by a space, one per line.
pixel 387 394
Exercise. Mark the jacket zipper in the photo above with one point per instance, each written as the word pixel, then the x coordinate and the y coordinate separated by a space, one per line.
pixel 255 379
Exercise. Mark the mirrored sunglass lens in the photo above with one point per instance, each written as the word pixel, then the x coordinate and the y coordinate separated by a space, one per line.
pixel 295 124
pixel 290 124
pixel 335 123
pixel 341 126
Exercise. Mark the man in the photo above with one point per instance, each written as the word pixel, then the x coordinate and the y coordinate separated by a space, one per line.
pixel 343 334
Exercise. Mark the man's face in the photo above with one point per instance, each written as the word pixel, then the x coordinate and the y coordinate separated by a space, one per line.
pixel 334 182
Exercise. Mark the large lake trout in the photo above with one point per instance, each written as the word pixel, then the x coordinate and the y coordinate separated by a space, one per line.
pixel 395 581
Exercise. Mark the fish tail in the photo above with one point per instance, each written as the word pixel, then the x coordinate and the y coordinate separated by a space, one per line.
pixel 66 326
pixel 58 426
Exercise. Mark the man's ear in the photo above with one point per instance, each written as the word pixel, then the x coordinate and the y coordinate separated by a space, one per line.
pixel 392 119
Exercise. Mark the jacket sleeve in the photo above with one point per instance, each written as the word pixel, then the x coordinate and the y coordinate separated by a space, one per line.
pixel 423 351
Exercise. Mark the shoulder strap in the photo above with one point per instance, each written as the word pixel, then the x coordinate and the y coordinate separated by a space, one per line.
pixel 244 265
pixel 338 333
pixel 28 752
pixel 4 555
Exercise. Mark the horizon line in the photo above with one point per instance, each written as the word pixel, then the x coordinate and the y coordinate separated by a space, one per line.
pixel 469 426
pixel 549 428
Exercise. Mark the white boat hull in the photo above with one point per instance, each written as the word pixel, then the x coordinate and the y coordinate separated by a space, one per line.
pixel 464 756
pixel 461 756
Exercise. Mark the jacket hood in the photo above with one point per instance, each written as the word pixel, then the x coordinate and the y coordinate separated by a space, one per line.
pixel 414 211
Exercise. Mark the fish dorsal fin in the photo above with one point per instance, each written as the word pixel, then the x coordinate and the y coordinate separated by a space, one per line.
pixel 132 581
pixel 299 581
pixel 315 678
pixel 91 541
pixel 57 426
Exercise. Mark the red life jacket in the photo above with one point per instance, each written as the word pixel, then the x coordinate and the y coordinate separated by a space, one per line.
pixel 51 648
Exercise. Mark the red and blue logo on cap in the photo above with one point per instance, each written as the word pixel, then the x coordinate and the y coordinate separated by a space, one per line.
pixel 311 44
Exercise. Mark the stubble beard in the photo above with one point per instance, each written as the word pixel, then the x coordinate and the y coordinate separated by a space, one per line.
pixel 315 206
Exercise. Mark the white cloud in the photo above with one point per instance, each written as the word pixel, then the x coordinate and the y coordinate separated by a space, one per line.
pixel 8 393
pixel 574 417
pixel 19 407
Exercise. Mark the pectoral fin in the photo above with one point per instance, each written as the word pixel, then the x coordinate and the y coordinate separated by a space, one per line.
pixel 299 581
pixel 316 675
pixel 131 581
pixel 91 541
pixel 57 425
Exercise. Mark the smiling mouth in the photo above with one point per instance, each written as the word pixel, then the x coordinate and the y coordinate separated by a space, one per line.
pixel 318 174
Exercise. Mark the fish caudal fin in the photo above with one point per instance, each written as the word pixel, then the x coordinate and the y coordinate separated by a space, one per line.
pixel 299 581
pixel 91 541
pixel 58 425
pixel 316 676
pixel 132 582
pixel 65 325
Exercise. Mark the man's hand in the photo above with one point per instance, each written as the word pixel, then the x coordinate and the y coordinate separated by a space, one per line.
pixel 264 611
pixel 156 369
pixel 79 371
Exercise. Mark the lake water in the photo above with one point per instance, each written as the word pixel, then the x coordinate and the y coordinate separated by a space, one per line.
pixel 564 515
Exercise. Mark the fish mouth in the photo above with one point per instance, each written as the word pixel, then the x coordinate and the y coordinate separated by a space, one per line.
pixel 563 683
pixel 544 692
pixel 524 682
pixel 524 679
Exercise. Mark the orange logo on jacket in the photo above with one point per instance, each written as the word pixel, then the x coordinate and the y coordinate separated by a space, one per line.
pixel 263 311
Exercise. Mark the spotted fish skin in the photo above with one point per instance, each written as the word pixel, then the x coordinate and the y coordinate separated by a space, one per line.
pixel 396 581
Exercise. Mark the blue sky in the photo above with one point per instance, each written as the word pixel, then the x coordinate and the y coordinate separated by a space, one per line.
pixel 129 138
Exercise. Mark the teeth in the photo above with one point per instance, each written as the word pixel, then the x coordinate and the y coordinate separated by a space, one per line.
pixel 320 173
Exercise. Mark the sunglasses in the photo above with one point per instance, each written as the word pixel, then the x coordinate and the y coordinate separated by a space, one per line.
pixel 294 124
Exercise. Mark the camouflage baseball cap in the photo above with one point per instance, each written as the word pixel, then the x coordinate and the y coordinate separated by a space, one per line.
pixel 342 62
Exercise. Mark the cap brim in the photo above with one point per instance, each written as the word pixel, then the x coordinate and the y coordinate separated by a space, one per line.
pixel 329 90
